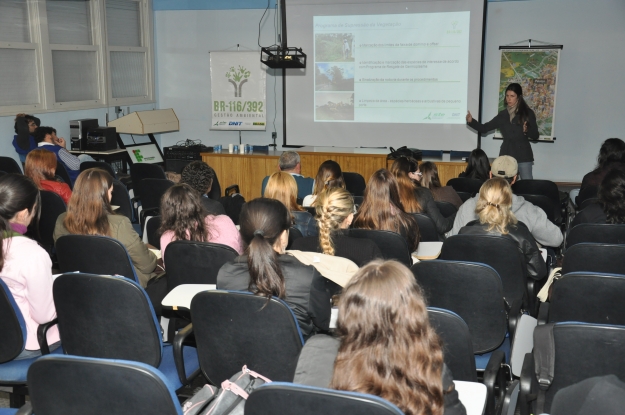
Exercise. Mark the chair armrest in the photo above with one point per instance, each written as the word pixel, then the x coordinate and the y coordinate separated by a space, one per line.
pixel 26 409
pixel 525 392
pixel 42 332
pixel 543 313
pixel 494 381
pixel 513 316
pixel 510 399
pixel 178 356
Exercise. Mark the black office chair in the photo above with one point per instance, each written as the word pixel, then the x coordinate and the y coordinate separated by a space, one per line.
pixel 121 198
pixel 140 171
pixel 294 234
pixel 465 185
pixel 354 183
pixel 111 317
pixel 589 192
pixel 604 233
pixel 545 188
pixel 391 244
pixel 587 202
pixel 72 385
pixel 215 192
pixel 586 297
pixel 52 206
pixel 94 254
pixel 98 165
pixel 9 165
pixel 291 399
pixel 152 190
pixel 61 172
pixel 551 209
pixel 233 329
pixel 594 257
pixel 447 209
pixel 427 228
pixel 358 201
pixel 151 229
pixel 190 262
pixel 502 254
pixel 580 351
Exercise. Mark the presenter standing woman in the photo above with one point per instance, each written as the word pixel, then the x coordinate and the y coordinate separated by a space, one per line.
pixel 517 123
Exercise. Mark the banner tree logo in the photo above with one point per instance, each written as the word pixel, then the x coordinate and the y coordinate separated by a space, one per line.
pixel 237 77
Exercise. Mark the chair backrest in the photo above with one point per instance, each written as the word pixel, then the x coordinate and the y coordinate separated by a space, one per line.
pixel 499 252
pixel 354 183
pixel 471 290
pixel 62 173
pixel 70 385
pixel 466 185
pixel 391 244
pixel 233 329
pixel 107 317
pixel 587 202
pixel 215 192
pixel 94 255
pixel 98 165
pixel 121 198
pixel 589 192
pixel 537 187
pixel 152 190
pixel 427 228
pixel 547 205
pixel 585 350
pixel 12 326
pixel 589 298
pixel 140 171
pixel 9 165
pixel 190 262
pixel 594 257
pixel 52 206
pixel 596 232
pixel 291 399
pixel 358 201
pixel 151 229
pixel 457 344
pixel 447 209
pixel 294 234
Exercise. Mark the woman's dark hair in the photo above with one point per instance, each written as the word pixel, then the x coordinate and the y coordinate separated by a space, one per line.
pixel 182 213
pixel 401 169
pixel 17 192
pixel 329 175
pixel 382 209
pixel 522 110
pixel 262 222
pixel 612 196
pixel 612 151
pixel 429 176
pixel 478 166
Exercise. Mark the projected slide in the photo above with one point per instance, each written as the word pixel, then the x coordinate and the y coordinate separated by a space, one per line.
pixel 395 68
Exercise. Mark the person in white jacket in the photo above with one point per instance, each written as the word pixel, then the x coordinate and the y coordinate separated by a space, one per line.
pixel 542 229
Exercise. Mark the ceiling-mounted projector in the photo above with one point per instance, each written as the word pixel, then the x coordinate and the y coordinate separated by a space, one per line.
pixel 283 57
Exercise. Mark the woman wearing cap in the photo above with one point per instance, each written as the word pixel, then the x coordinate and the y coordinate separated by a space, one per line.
pixel 517 123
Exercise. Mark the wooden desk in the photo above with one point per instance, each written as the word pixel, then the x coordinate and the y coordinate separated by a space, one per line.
pixel 249 170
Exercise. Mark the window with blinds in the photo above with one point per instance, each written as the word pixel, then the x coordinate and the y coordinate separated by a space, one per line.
pixel 74 54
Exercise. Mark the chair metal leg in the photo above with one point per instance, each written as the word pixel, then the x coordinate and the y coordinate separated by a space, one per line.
pixel 17 398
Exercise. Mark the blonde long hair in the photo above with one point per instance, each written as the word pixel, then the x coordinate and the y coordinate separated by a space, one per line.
pixel 333 206
pixel 494 205
pixel 388 347
pixel 283 187
pixel 89 206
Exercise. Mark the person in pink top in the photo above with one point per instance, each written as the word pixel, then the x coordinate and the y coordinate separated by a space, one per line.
pixel 183 217
pixel 25 267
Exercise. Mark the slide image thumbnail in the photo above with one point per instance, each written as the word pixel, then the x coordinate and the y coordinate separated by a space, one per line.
pixel 334 106
pixel 334 77
pixel 334 47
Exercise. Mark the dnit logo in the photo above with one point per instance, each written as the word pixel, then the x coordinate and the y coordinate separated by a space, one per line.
pixel 235 123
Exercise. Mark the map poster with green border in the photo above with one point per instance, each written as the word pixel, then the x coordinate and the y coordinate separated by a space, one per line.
pixel 536 70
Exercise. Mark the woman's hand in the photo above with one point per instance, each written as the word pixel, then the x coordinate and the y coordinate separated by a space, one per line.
pixel 469 117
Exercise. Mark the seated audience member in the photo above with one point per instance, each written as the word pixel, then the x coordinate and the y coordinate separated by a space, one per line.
pixel 382 209
pixel 611 206
pixel 46 138
pixel 89 212
pixel 25 267
pixel 201 176
pixel 542 229
pixel 416 198
pixel 495 217
pixel 290 163
pixel 335 213
pixel 281 186
pixel 267 271
pixel 399 359
pixel 478 166
pixel 23 140
pixel 41 166
pixel 430 180
pixel 184 218
pixel 328 176
pixel 611 156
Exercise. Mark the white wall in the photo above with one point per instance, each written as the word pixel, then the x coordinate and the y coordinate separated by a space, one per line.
pixel 590 103
pixel 183 41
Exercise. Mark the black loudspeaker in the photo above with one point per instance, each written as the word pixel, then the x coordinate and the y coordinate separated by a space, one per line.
pixel 176 165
